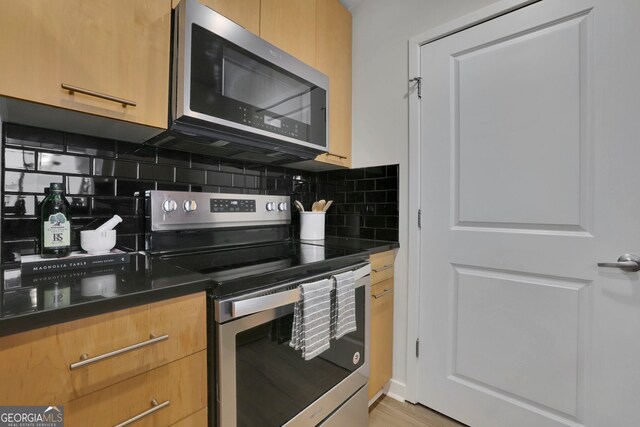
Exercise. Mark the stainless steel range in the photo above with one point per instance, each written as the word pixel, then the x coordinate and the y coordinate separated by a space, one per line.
pixel 243 244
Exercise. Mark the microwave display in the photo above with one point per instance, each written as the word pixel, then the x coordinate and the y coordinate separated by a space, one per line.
pixel 233 84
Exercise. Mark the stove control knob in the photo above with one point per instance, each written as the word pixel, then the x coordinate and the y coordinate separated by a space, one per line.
pixel 271 206
pixel 190 205
pixel 169 205
pixel 282 206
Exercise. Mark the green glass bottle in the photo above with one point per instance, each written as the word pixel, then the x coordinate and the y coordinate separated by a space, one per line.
pixel 55 224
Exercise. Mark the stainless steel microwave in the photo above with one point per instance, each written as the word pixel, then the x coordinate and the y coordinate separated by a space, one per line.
pixel 235 95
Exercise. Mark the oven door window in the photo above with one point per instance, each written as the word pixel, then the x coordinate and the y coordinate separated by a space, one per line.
pixel 274 383
pixel 230 83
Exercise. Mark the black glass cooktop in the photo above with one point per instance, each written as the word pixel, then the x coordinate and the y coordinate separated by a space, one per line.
pixel 256 266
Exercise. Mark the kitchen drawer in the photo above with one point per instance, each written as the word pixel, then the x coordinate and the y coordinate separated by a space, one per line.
pixel 384 286
pixel 382 266
pixel 179 388
pixel 35 365
pixel 199 419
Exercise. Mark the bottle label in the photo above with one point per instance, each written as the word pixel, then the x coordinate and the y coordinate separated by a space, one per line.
pixel 57 297
pixel 57 231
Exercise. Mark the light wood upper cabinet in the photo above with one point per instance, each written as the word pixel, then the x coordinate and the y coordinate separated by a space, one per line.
pixel 243 12
pixel 118 48
pixel 333 58
pixel 291 26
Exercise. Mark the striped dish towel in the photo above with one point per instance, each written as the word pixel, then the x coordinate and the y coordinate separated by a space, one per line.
pixel 311 319
pixel 343 306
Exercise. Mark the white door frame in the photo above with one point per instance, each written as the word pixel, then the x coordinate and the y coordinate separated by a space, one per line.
pixel 413 296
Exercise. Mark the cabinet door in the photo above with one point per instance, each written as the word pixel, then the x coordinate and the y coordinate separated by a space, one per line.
pixel 382 266
pixel 197 419
pixel 333 58
pixel 35 365
pixel 183 384
pixel 118 48
pixel 381 336
pixel 30 50
pixel 290 25
pixel 242 12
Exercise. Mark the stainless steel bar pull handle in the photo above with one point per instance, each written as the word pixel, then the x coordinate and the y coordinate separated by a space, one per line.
pixel 86 360
pixel 72 89
pixel 381 294
pixel 627 262
pixel 386 267
pixel 154 408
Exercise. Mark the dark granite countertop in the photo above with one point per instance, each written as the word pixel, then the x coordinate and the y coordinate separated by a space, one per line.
pixel 371 246
pixel 36 300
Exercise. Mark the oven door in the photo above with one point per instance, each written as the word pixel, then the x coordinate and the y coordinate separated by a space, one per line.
pixel 228 78
pixel 264 382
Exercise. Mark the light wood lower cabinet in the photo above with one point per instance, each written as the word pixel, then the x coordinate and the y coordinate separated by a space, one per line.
pixel 381 335
pixel 381 342
pixel 178 389
pixel 199 419
pixel 35 366
pixel 382 266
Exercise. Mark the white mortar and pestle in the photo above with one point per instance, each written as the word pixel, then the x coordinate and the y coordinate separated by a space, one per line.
pixel 102 239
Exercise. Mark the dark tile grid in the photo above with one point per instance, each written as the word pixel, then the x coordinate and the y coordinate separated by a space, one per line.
pixel 105 177
pixel 365 201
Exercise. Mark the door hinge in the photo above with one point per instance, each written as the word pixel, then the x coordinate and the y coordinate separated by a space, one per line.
pixel 417 347
pixel 419 218
pixel 418 81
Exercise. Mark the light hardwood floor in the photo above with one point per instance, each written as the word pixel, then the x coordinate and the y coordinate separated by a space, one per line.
pixel 388 412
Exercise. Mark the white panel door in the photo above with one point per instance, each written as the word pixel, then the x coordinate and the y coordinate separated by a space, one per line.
pixel 530 155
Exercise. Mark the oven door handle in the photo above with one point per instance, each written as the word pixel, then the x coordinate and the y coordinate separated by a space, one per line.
pixel 266 302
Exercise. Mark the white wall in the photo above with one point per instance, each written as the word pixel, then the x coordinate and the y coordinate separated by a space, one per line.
pixel 381 30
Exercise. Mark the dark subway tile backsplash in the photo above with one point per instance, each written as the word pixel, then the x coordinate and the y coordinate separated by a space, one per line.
pixel 219 178
pixel 90 146
pixel 105 177
pixel 20 159
pixel 192 176
pixel 365 202
pixel 26 136
pixel 156 172
pixel 115 168
pixel 51 162
pixel 23 182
